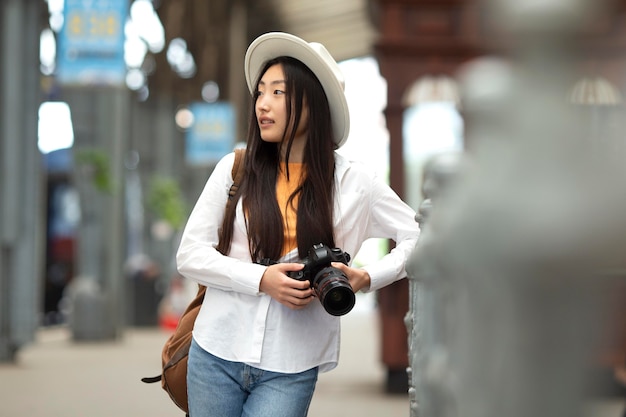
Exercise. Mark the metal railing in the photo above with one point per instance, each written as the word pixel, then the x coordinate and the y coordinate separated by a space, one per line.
pixel 508 282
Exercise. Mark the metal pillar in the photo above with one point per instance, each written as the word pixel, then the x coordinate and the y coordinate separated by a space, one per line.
pixel 21 188
pixel 167 162
pixel 118 104
pixel 509 275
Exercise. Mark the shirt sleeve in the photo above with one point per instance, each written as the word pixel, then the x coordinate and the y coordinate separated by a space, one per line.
pixel 197 257
pixel 390 218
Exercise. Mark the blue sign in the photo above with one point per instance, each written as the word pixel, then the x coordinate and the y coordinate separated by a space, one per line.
pixel 91 43
pixel 212 134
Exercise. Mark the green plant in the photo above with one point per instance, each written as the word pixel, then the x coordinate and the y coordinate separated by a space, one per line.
pixel 166 202
pixel 95 163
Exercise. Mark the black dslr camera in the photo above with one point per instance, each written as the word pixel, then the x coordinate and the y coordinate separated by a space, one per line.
pixel 330 284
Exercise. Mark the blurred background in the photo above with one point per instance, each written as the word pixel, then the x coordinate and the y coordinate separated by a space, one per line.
pixel 114 113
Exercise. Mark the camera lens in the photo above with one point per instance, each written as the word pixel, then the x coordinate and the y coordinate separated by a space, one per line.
pixel 334 291
pixel 339 301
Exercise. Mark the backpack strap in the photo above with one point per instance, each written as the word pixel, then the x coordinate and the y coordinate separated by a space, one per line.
pixel 237 173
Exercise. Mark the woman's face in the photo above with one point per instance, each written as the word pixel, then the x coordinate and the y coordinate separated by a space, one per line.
pixel 271 108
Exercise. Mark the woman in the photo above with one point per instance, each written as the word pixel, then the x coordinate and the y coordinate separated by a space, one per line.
pixel 261 336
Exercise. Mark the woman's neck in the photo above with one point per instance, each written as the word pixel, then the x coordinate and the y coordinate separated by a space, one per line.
pixel 296 154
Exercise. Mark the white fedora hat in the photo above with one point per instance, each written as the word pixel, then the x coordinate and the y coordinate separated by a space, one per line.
pixel 313 55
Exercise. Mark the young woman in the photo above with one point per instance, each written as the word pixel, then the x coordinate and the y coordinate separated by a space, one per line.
pixel 261 337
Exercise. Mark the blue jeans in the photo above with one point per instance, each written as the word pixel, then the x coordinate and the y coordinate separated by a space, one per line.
pixel 220 388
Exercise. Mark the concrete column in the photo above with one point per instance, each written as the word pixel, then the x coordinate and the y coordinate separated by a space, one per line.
pixel 101 121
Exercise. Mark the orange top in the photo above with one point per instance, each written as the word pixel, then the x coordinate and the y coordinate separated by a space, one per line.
pixel 284 189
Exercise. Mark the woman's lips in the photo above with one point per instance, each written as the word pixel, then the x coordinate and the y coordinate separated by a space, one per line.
pixel 265 122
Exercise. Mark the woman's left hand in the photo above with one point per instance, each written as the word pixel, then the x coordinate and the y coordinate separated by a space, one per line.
pixel 359 278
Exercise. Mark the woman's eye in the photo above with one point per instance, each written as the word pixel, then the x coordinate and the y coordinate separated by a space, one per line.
pixel 279 92
pixel 257 94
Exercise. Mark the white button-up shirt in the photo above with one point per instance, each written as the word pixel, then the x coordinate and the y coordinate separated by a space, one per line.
pixel 237 322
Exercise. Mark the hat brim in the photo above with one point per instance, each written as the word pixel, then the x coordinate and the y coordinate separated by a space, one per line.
pixel 275 44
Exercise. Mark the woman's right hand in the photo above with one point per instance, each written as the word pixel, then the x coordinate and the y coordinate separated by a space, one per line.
pixel 287 291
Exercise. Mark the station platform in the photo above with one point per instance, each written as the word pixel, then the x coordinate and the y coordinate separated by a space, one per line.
pixel 57 377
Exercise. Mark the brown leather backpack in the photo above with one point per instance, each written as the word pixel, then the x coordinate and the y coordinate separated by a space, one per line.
pixel 176 349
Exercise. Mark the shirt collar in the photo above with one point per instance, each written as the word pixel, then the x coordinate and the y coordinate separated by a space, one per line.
pixel 341 165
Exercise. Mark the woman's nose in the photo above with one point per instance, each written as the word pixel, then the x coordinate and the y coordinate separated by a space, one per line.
pixel 261 103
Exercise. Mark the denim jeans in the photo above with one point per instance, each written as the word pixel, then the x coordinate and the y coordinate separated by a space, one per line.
pixel 220 388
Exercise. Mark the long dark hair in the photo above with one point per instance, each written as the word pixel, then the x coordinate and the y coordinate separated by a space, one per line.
pixel 315 209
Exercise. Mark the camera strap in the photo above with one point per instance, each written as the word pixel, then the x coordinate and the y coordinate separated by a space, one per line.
pixel 266 262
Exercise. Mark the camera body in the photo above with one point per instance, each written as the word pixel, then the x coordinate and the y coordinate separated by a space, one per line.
pixel 330 284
